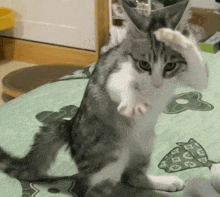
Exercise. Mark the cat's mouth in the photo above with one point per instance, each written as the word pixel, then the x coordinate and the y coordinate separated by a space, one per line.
pixel 149 107
pixel 148 104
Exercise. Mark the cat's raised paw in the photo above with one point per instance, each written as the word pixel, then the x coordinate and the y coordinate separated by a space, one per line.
pixel 173 38
pixel 133 111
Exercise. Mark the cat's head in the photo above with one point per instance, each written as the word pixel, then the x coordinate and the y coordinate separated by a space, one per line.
pixel 161 64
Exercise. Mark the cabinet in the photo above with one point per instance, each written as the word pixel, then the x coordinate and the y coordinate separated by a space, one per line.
pixel 56 32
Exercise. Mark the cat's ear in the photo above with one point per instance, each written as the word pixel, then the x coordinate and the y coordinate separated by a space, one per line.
pixel 141 22
pixel 174 15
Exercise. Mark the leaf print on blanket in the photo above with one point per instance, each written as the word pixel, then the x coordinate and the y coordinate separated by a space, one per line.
pixel 79 74
pixel 56 189
pixel 188 101
pixel 66 112
pixel 186 156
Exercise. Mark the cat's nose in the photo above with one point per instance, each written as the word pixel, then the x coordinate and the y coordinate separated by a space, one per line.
pixel 157 80
pixel 157 84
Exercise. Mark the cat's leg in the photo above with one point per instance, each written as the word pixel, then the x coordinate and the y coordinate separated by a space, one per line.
pixel 163 183
pixel 102 182
pixel 166 183
pixel 174 39
pixel 124 88
pixel 117 35
pixel 110 44
pixel 135 175
pixel 196 75
pixel 43 152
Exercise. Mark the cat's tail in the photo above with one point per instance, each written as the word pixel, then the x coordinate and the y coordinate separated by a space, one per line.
pixel 36 163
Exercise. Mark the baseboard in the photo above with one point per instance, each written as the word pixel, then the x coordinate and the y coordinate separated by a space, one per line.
pixel 41 53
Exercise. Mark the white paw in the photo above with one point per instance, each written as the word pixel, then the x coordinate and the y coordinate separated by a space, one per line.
pixel 166 183
pixel 107 47
pixel 215 169
pixel 133 110
pixel 104 49
pixel 173 38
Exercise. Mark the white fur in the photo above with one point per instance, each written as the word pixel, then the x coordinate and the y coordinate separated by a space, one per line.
pixel 166 183
pixel 118 83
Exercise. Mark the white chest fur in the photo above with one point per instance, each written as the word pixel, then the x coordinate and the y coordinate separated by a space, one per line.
pixel 142 133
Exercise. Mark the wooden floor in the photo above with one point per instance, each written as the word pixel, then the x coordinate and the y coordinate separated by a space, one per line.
pixel 7 67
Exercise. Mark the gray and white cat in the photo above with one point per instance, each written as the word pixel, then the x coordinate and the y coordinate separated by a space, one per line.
pixel 111 136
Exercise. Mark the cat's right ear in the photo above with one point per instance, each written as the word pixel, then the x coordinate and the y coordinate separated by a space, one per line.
pixel 174 14
pixel 140 22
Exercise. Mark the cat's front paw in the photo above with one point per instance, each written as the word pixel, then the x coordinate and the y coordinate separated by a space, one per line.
pixel 133 111
pixel 174 39
pixel 166 183
pixel 105 49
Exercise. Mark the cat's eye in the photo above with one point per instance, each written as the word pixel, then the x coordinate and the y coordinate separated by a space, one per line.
pixel 145 66
pixel 170 66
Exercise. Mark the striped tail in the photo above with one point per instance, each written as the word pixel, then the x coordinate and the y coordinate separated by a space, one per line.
pixel 36 163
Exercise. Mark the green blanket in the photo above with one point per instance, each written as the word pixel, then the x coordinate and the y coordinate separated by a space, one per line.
pixel 186 144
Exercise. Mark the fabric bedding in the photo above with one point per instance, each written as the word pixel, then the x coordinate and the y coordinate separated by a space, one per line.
pixel 187 133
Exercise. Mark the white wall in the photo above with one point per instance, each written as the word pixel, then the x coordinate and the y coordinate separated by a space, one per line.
pixel 3 3
pixel 211 4
pixel 63 22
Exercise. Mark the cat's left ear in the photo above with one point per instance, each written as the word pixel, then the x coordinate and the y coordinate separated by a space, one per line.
pixel 139 21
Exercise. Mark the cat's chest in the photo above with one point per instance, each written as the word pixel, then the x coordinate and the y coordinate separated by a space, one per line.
pixel 142 135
